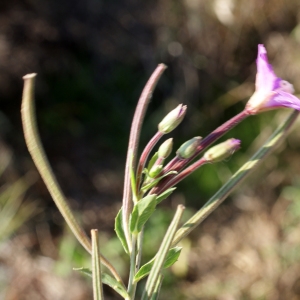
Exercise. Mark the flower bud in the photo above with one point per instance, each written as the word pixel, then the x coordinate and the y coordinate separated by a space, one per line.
pixel 189 148
pixel 155 170
pixel 165 149
pixel 222 151
pixel 172 119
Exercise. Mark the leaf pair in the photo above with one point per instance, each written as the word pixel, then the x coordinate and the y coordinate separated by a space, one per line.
pixel 139 216
pixel 141 213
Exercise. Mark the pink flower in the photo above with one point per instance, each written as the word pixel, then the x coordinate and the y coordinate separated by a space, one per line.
pixel 271 91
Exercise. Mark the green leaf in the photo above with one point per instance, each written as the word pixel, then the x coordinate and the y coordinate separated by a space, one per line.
pixel 172 257
pixel 134 219
pixel 108 280
pixel 132 180
pixel 152 161
pixel 85 271
pixel 165 195
pixel 119 230
pixel 141 213
pixel 157 288
pixel 113 283
pixel 161 255
pixel 150 185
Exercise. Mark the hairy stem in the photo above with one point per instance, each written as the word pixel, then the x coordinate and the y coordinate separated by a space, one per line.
pixel 131 285
pixel 133 145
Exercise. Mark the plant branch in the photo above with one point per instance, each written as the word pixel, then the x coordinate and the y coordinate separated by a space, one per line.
pixel 237 178
pixel 154 274
pixel 133 144
pixel 177 163
pixel 97 280
pixel 40 159
pixel 144 157
pixel 177 178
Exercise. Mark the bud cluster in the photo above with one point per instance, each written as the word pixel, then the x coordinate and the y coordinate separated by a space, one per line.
pixel 161 178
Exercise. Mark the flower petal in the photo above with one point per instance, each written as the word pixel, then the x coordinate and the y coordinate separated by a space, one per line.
pixel 283 99
pixel 266 78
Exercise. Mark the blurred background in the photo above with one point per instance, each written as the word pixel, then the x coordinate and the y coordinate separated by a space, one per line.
pixel 93 58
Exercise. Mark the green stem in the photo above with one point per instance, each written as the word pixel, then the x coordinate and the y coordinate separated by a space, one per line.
pixel 157 287
pixel 97 280
pixel 162 254
pixel 240 175
pixel 135 263
pixel 131 284
pixel 39 157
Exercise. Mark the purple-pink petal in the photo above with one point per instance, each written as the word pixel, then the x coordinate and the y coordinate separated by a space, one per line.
pixel 277 83
pixel 271 91
pixel 266 79
pixel 283 99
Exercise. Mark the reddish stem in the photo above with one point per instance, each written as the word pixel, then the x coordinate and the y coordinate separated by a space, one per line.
pixel 144 157
pixel 177 163
pixel 133 144
pixel 186 172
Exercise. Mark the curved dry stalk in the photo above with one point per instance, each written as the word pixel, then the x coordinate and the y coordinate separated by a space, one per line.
pixel 133 145
pixel 39 157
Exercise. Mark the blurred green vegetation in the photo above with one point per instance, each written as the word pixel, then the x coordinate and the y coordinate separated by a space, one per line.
pixel 14 211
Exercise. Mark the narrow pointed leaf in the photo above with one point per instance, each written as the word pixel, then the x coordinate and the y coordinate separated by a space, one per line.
pixel 165 195
pixel 133 181
pixel 96 270
pixel 155 181
pixel 108 280
pixel 152 160
pixel 85 271
pixel 114 284
pixel 119 230
pixel 161 255
pixel 157 287
pixel 172 257
pixel 141 213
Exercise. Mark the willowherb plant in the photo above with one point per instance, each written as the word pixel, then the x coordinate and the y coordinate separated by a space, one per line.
pixel 149 181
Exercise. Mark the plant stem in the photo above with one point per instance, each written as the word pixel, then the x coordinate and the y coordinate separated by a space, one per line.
pixel 157 287
pixel 133 144
pixel 237 178
pixel 207 141
pixel 39 157
pixel 161 255
pixel 177 178
pixel 97 280
pixel 131 284
pixel 136 263
pixel 144 157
